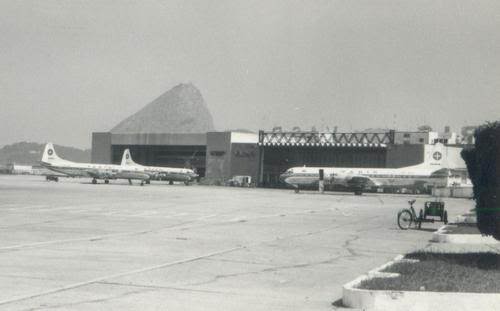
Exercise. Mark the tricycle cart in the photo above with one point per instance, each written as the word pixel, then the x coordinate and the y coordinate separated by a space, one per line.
pixel 431 212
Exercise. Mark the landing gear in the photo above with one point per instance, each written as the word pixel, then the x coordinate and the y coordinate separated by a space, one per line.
pixel 106 181
pixel 94 181
pixel 171 182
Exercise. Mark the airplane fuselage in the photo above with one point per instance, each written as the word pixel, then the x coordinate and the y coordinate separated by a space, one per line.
pixel 379 177
pixel 170 174
pixel 100 171
pixel 159 172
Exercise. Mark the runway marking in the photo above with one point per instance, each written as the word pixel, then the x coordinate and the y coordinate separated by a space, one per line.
pixel 117 275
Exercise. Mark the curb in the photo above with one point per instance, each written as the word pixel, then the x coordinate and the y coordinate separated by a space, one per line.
pixel 469 218
pixel 442 236
pixel 387 300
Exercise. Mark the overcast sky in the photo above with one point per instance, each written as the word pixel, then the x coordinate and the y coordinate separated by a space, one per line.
pixel 68 68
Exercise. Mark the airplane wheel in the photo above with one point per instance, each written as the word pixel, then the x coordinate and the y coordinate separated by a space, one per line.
pixel 94 181
pixel 106 181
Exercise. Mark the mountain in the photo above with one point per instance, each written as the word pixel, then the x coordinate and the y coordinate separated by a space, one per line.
pixel 31 153
pixel 179 110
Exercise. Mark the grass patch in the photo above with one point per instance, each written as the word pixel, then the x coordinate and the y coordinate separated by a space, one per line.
pixel 469 272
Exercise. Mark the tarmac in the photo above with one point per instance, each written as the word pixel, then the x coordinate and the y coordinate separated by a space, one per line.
pixel 72 245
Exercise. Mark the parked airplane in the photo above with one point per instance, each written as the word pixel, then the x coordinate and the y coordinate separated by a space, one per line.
pixel 361 178
pixel 53 162
pixel 160 173
pixel 431 172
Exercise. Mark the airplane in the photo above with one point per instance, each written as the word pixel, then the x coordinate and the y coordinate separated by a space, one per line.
pixel 430 172
pixel 53 162
pixel 159 172
pixel 360 178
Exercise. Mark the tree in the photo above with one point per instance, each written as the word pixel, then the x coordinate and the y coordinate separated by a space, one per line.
pixel 483 164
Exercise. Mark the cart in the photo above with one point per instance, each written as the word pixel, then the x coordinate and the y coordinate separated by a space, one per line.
pixel 433 211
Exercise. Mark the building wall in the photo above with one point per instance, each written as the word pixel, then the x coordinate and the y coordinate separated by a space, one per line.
pixel 218 156
pixel 101 147
pixel 245 160
pixel 160 139
pixel 414 137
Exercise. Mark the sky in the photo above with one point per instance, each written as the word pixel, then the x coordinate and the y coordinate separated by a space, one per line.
pixel 69 68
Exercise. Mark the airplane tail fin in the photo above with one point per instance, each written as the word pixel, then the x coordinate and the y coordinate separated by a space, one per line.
pixel 435 155
pixel 127 158
pixel 49 154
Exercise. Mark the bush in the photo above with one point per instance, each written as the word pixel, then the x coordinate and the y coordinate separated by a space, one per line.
pixel 483 162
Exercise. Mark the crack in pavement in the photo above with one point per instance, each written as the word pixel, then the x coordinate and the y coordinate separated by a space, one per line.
pixel 167 287
pixel 265 270
pixel 117 275
pixel 88 301
pixel 345 245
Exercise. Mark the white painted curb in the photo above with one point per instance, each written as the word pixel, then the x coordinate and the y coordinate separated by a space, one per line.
pixel 469 218
pixel 386 300
pixel 442 236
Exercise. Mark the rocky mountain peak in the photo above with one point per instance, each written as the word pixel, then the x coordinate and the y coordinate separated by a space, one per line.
pixel 182 109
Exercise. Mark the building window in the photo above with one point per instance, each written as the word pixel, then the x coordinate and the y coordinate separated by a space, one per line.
pixel 217 153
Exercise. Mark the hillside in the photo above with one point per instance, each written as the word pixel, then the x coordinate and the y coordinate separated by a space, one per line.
pixel 31 153
pixel 182 109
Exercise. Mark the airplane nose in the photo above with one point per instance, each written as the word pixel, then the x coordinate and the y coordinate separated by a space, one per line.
pixel 284 176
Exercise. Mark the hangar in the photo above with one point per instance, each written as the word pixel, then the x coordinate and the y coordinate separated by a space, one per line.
pixel 218 156
pixel 390 149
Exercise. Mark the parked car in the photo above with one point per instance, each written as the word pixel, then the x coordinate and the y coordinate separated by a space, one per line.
pixel 239 181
